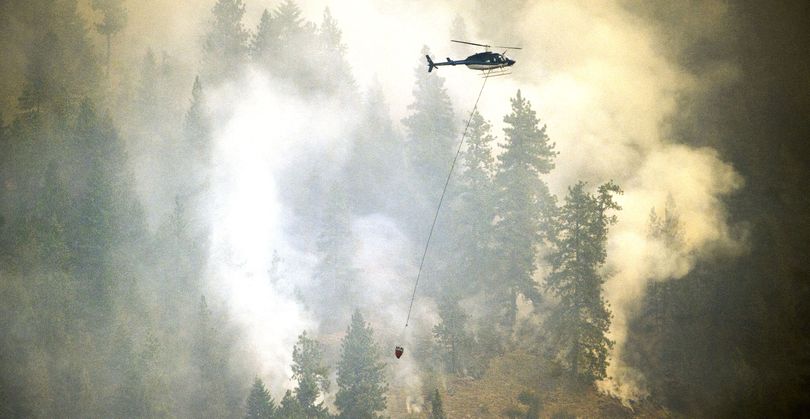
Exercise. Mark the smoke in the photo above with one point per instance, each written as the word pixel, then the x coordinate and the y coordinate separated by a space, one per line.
pixel 599 75
pixel 602 79
pixel 264 128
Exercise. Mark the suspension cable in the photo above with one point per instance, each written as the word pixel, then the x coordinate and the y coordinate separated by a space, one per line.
pixel 441 199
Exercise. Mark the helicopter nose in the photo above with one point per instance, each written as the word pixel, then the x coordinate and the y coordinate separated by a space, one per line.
pixel 511 62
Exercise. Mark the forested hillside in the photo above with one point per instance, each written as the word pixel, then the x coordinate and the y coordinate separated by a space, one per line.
pixel 232 226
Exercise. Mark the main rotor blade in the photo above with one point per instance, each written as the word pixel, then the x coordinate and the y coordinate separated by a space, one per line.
pixel 470 43
pixel 501 46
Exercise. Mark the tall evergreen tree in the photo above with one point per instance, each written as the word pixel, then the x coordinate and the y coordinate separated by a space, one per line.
pixel 265 44
pixel 582 318
pixel 360 379
pixel 226 43
pixel 311 374
pixel 376 160
pixel 114 18
pixel 259 403
pixel 523 206
pixel 332 54
pixel 431 132
pixel 101 205
pixel 472 212
pixel 451 335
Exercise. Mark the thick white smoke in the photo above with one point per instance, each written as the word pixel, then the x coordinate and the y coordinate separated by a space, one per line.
pixel 263 127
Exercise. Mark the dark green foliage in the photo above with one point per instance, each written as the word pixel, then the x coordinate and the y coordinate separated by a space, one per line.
pixel 311 375
pixel 290 408
pixel 259 403
pixel 360 379
pixel 471 214
pixel 581 319
pixel 61 66
pixel 452 338
pixel 523 206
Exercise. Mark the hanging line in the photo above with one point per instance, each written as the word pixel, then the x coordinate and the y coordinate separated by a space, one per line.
pixel 441 199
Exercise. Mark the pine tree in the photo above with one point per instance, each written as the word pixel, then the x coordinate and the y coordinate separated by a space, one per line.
pixel 101 205
pixel 360 379
pixel 436 409
pixel 523 206
pixel 312 376
pixel 290 408
pixel 226 42
pixel 451 335
pixel 332 54
pixel 290 23
pixel 259 403
pixel 472 213
pixel 582 318
pixel 264 45
pixel 376 160
pixel 431 131
pixel 113 21
pixel 196 126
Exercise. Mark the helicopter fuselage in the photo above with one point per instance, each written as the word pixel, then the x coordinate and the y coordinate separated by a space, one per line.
pixel 480 61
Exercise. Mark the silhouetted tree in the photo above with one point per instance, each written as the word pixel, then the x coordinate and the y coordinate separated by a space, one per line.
pixel 259 403
pixel 523 206
pixel 581 319
pixel 431 132
pixel 311 374
pixel 114 18
pixel 226 43
pixel 451 335
pixel 361 384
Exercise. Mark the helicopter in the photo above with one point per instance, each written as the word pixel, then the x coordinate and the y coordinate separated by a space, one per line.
pixel 484 61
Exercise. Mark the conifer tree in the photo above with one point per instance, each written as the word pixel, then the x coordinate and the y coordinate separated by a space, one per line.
pixel 523 205
pixel 582 319
pixel 196 126
pixel 226 42
pixel 451 335
pixel 265 44
pixel 332 54
pixel 431 131
pixel 311 375
pixel 472 213
pixel 376 160
pixel 360 379
pixel 290 408
pixel 113 21
pixel 259 403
